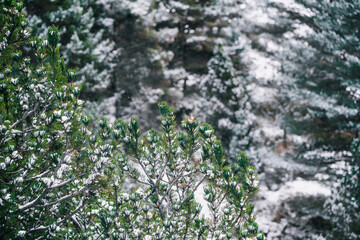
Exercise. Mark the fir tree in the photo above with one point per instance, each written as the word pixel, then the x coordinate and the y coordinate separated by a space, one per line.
pixel 227 103
pixel 321 74
pixel 324 65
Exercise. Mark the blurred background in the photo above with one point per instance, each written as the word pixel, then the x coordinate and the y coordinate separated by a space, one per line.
pixel 277 79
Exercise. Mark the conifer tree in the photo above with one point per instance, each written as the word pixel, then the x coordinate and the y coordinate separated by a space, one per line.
pixel 321 74
pixel 85 30
pixel 227 103
pixel 49 157
pixel 324 65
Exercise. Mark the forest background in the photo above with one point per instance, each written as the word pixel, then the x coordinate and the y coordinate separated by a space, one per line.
pixel 277 79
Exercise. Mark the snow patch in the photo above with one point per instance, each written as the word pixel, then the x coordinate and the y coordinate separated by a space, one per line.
pixel 261 94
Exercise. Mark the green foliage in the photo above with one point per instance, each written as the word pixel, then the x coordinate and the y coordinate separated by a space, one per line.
pixel 49 157
pixel 65 177
pixel 169 171
pixel 85 39
pixel 13 31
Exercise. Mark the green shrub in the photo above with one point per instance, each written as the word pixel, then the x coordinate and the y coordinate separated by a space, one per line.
pixel 176 175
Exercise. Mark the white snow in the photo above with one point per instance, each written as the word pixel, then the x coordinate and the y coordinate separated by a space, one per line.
pixel 295 188
pixel 196 39
pixel 167 34
pixel 261 94
pixel 263 68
